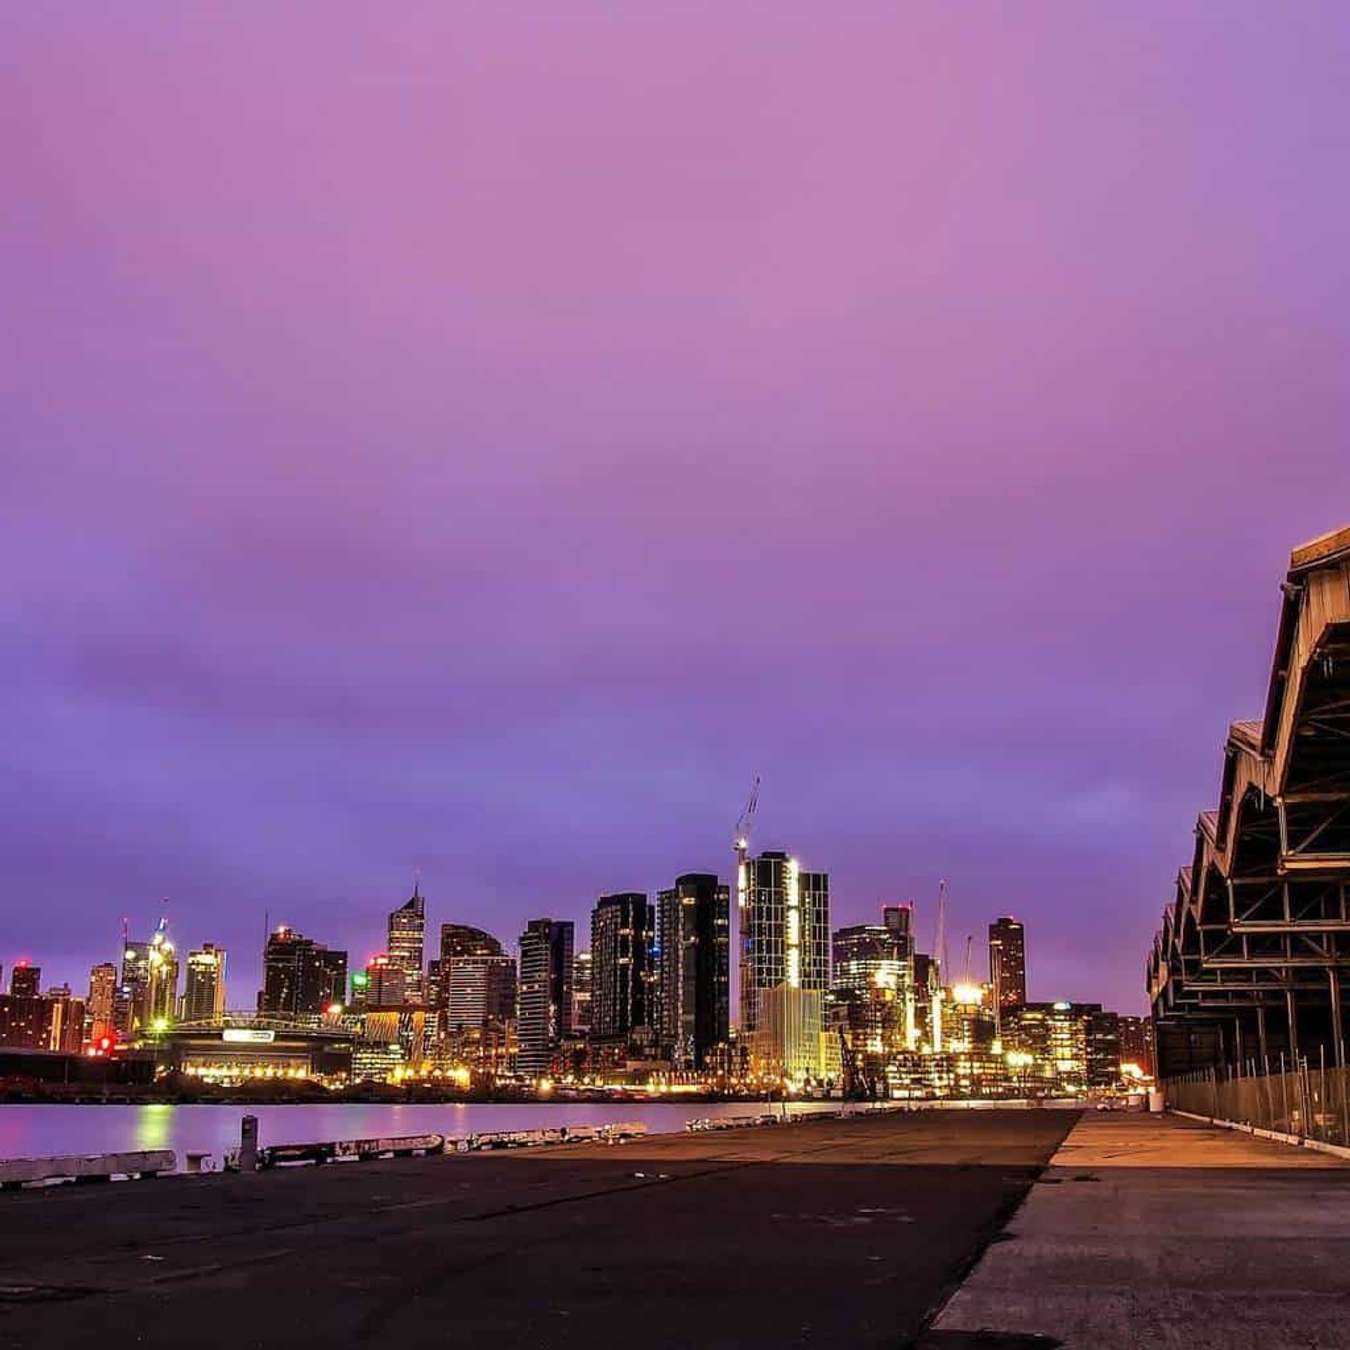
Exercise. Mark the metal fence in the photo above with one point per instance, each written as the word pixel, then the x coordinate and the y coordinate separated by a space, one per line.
pixel 1309 1100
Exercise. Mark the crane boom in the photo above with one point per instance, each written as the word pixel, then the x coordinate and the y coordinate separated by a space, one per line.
pixel 740 840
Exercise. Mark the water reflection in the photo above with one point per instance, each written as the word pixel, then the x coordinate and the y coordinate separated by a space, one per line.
pixel 154 1125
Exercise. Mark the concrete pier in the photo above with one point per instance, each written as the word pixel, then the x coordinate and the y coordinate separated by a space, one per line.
pixel 838 1233
pixel 1159 1232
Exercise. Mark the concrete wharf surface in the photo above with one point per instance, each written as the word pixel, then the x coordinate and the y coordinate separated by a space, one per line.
pixel 827 1233
pixel 1158 1232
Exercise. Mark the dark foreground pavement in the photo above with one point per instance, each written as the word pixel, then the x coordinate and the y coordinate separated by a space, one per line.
pixel 840 1233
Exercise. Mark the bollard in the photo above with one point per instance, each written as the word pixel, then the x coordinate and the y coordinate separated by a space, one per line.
pixel 248 1144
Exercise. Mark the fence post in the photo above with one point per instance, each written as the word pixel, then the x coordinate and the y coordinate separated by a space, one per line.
pixel 1284 1098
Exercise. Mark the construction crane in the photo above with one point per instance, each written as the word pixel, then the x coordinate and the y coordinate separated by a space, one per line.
pixel 940 933
pixel 970 942
pixel 740 840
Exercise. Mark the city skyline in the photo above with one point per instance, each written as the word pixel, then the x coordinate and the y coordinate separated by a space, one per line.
pixel 487 456
pixel 247 967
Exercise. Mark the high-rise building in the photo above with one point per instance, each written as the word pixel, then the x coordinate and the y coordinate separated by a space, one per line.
pixel 545 994
pixel 26 1021
pixel 407 941
pixel 300 976
pixel 1103 1047
pixel 162 986
pixel 65 1020
pixel 102 1004
pixel 872 989
pixel 581 994
pixel 204 992
pixel 1136 1044
pixel 386 986
pixel 785 930
pixel 147 996
pixel 694 968
pixel 622 974
pixel 1008 962
pixel 477 979
pixel 899 921
pixel 25 980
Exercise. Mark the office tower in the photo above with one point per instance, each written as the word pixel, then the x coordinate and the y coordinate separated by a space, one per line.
pixel 204 992
pixel 899 921
pixel 25 980
pixel 162 995
pixel 407 940
pixel 785 930
pixel 65 1020
pixel 26 1022
pixel 386 983
pixel 148 994
pixel 102 1005
pixel 694 968
pixel 435 987
pixel 621 965
pixel 1008 962
pixel 300 976
pixel 581 994
pixel 131 1007
pixel 872 984
pixel 477 978
pixel 545 994
pixel 1054 1037
pixel 1103 1047
pixel 1136 1044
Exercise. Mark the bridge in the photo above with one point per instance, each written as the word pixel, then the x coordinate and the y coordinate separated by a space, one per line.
pixel 1249 967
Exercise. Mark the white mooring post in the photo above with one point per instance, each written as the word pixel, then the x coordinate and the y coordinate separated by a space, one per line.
pixel 248 1144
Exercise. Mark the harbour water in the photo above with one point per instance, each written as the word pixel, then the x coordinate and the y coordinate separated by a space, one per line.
pixel 45 1131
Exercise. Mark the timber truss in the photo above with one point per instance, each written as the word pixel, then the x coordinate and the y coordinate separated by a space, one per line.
pixel 1254 950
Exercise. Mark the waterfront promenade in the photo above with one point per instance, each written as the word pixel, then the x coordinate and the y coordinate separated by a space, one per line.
pixel 837 1233
pixel 1140 1231
pixel 1164 1232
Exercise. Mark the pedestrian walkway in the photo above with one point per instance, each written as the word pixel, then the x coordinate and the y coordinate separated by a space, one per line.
pixel 1152 1231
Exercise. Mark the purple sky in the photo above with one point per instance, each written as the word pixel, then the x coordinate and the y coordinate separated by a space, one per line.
pixel 478 437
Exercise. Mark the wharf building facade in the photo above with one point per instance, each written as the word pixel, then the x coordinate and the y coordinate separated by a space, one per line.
pixel 694 969
pixel 544 1017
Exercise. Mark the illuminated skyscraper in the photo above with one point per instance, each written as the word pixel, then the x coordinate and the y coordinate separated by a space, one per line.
pixel 784 930
pixel 407 942
pixel 102 1000
pixel 1008 962
pixel 694 968
pixel 872 986
pixel 545 996
pixel 386 983
pixel 24 980
pixel 581 994
pixel 162 984
pixel 300 976
pixel 204 992
pixel 622 976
